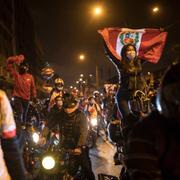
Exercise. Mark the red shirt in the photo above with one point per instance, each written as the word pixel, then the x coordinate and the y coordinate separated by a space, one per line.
pixel 24 84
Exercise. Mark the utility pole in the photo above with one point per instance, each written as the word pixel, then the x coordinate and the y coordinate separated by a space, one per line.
pixel 97 77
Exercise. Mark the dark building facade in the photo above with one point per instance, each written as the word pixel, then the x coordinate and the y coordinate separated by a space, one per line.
pixel 17 34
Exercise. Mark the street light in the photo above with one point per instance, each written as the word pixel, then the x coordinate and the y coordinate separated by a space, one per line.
pixel 81 57
pixel 155 9
pixel 97 11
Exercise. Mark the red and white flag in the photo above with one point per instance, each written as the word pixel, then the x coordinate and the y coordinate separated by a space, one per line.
pixel 149 42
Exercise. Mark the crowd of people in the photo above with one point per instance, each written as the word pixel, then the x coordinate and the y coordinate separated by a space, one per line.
pixel 150 140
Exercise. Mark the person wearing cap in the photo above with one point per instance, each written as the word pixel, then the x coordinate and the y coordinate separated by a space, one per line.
pixel 24 85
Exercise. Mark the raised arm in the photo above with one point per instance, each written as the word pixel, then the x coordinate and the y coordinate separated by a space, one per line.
pixel 11 61
pixel 110 56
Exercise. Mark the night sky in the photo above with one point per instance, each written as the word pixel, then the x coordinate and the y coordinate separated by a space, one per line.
pixel 67 28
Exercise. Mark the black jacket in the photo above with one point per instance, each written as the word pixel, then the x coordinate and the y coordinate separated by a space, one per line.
pixel 73 128
pixel 129 72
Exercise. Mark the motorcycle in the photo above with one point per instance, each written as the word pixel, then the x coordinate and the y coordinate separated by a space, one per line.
pixel 92 132
pixel 50 161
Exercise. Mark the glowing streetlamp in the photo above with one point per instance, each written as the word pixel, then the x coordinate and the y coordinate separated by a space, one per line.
pixel 155 9
pixel 97 11
pixel 81 57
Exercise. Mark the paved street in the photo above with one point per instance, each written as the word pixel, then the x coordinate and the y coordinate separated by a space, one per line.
pixel 102 158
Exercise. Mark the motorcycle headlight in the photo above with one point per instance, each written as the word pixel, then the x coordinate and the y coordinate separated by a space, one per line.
pixel 35 137
pixel 56 142
pixel 94 121
pixel 48 162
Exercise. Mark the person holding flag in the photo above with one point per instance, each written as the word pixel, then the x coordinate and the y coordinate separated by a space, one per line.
pixel 129 70
pixel 125 48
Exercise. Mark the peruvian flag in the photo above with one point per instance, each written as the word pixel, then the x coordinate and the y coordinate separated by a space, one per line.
pixel 149 42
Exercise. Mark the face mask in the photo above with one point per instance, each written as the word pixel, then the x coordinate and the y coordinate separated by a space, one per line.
pixel 131 55
pixel 59 88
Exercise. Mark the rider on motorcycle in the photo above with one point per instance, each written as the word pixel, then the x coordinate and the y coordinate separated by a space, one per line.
pixel 73 133
pixel 93 111
pixel 58 90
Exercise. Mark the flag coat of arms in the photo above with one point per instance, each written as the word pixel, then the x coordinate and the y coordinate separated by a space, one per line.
pixel 148 42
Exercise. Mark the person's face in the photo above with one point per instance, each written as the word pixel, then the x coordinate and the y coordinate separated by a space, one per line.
pixel 130 53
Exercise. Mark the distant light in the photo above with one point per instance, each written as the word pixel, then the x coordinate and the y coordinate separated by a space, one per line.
pixel 35 137
pixel 90 75
pixel 81 75
pixel 71 87
pixel 84 82
pixel 80 79
pixel 97 10
pixel 155 9
pixel 81 57
pixel 77 82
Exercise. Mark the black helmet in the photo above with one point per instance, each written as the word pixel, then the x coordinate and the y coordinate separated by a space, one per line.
pixel 23 67
pixel 69 101
pixel 168 98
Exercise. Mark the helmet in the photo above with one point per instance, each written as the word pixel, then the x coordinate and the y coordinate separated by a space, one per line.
pixel 69 101
pixel 23 67
pixel 96 93
pixel 58 80
pixel 59 83
pixel 168 98
pixel 25 64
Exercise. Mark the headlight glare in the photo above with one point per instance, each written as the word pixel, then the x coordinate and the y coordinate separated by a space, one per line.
pixel 48 162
